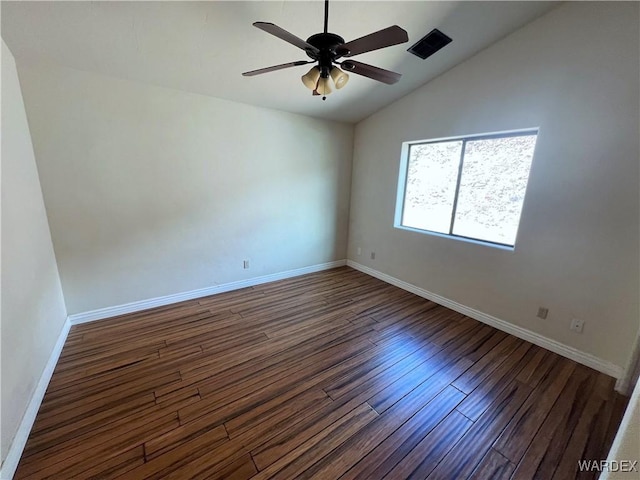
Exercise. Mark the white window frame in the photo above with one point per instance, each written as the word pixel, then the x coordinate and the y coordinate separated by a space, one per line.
pixel 404 169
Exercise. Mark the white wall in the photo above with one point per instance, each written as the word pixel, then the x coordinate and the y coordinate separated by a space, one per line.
pixel 574 73
pixel 33 310
pixel 152 191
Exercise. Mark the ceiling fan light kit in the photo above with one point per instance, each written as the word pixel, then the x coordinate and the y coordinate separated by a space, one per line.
pixel 310 79
pixel 339 77
pixel 324 87
pixel 325 49
pixel 315 81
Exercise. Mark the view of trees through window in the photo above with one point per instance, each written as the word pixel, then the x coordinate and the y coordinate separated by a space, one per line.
pixel 471 188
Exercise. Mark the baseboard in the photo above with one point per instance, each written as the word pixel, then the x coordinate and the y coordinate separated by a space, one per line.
pixel 626 384
pixel 623 385
pixel 132 307
pixel 10 463
pixel 583 358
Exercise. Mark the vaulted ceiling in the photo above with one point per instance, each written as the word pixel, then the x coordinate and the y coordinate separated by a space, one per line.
pixel 203 47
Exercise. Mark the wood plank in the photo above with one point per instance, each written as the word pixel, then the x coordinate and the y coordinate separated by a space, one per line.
pixel 584 428
pixel 39 441
pixel 462 459
pixel 206 443
pixel 362 443
pixel 515 439
pixel 66 463
pixel 281 390
pixel 598 442
pixel 424 457
pixel 479 399
pixel 116 466
pixel 74 410
pixel 297 461
pixel 253 379
pixel 269 354
pixel 348 385
pixel 93 397
pixel 268 452
pixel 330 375
pixel 104 433
pixel 493 466
pixel 436 370
pixel 241 469
pixel 484 366
pixel 548 445
pixel 377 463
pixel 276 410
pixel 163 443
pixel 81 383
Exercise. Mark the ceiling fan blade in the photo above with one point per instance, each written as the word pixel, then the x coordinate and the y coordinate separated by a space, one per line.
pixel 286 36
pixel 376 73
pixel 274 68
pixel 382 38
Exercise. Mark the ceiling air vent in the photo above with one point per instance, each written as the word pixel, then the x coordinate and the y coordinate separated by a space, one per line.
pixel 430 44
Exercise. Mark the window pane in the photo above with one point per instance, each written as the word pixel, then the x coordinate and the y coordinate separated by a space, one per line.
pixel 492 187
pixel 431 185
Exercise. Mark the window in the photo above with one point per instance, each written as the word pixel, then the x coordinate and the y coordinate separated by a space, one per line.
pixel 470 187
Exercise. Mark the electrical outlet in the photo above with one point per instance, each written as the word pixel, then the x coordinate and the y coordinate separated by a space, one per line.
pixel 245 264
pixel 577 325
pixel 373 255
pixel 359 251
pixel 542 312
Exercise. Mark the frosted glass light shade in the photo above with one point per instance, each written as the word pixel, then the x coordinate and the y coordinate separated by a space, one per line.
pixel 339 77
pixel 324 88
pixel 310 79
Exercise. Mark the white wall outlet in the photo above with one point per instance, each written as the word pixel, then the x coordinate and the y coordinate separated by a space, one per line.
pixel 542 312
pixel 359 251
pixel 245 264
pixel 373 255
pixel 577 325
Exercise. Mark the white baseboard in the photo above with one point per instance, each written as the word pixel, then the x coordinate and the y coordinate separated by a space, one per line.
pixel 561 349
pixel 626 384
pixel 132 307
pixel 10 463
pixel 623 386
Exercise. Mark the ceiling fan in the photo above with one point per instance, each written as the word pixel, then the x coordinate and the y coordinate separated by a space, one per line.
pixel 326 49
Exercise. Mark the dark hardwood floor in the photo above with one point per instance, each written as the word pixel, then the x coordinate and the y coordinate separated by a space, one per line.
pixel 333 375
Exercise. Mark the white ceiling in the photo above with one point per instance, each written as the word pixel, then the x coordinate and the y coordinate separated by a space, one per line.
pixel 203 47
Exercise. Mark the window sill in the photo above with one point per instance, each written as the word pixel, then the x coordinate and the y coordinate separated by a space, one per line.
pixel 499 246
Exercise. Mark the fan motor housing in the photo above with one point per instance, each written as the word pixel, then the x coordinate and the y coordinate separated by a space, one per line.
pixel 325 42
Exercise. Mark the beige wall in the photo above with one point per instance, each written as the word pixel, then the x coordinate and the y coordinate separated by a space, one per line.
pixel 152 191
pixel 577 247
pixel 33 310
